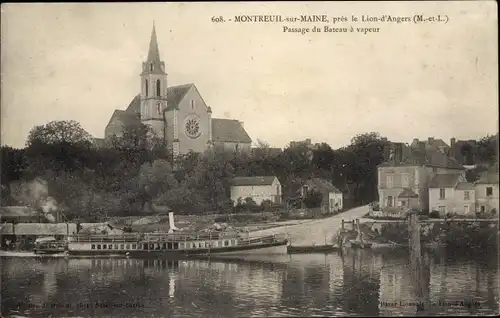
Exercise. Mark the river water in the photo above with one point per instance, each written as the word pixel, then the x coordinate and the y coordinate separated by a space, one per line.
pixel 358 283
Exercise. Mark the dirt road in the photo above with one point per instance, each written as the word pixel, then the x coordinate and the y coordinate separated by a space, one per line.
pixel 315 231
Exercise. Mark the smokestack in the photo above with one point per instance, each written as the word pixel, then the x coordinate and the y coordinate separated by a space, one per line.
pixel 171 223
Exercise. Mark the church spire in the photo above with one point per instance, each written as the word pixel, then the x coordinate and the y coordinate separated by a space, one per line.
pixel 153 53
pixel 153 64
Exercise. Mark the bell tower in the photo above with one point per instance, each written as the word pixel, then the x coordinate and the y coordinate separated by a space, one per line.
pixel 154 89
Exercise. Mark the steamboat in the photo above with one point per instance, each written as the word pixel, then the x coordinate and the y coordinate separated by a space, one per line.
pixel 174 244
pixel 171 244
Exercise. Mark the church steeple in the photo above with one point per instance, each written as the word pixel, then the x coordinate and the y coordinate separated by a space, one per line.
pixel 153 53
pixel 153 64
pixel 154 89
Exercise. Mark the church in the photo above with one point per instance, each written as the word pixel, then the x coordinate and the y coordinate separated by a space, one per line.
pixel 177 114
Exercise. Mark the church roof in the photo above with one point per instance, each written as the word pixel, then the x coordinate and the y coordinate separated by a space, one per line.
pixel 175 94
pixel 229 130
pixel 127 118
pixel 223 130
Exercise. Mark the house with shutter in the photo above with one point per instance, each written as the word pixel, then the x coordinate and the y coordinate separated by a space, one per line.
pixel 451 193
pixel 259 188
pixel 486 189
pixel 405 174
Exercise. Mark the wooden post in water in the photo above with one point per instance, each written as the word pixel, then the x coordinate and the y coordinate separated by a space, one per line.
pixel 416 264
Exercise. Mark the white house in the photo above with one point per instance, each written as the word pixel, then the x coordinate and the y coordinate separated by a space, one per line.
pixel 451 193
pixel 487 192
pixel 332 197
pixel 259 188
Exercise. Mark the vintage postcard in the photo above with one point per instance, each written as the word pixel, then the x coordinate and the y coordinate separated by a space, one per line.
pixel 249 159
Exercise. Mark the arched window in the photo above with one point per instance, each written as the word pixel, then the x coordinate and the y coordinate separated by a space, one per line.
pixel 151 67
pixel 147 88
pixel 158 88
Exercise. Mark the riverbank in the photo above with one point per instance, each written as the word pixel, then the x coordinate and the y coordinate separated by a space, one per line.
pixel 471 234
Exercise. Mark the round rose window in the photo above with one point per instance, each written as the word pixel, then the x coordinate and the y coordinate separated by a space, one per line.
pixel 192 127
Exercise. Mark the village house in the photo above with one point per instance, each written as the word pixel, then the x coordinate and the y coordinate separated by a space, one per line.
pixel 487 192
pixel 332 197
pixel 259 188
pixel 404 177
pixel 451 193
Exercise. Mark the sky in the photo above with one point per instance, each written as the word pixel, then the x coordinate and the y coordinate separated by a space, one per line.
pixel 82 61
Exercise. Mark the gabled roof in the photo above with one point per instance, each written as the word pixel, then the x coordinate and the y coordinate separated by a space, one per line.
pixel 253 181
pixel 322 185
pixel 135 105
pixel 488 177
pixel 407 193
pixel 175 94
pixel 229 130
pixel 420 155
pixel 127 118
pixel 445 180
pixel 465 186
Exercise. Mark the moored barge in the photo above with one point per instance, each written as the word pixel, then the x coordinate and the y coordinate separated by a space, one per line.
pixel 174 244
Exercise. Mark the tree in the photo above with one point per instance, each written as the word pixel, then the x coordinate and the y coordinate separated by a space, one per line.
pixel 262 144
pixel 487 149
pixel 154 179
pixel 59 132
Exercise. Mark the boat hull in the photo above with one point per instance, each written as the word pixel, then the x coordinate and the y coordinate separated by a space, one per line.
pixel 262 249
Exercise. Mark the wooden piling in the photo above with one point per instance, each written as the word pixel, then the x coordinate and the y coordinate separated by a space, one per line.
pixel 416 265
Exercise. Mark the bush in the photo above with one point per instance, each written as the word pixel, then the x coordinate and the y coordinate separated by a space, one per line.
pixel 434 215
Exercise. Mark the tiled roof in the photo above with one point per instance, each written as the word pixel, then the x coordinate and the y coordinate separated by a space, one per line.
pixel 175 94
pixel 465 186
pixel 322 185
pixel 431 157
pixel 135 105
pixel 127 118
pixel 253 181
pixel 488 177
pixel 445 180
pixel 408 193
pixel 229 130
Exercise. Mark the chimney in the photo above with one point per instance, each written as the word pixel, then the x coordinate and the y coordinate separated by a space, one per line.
pixel 242 124
pixel 452 147
pixel 430 140
pixel 422 152
pixel 415 141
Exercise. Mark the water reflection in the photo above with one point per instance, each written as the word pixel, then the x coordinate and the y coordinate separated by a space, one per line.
pixel 363 283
